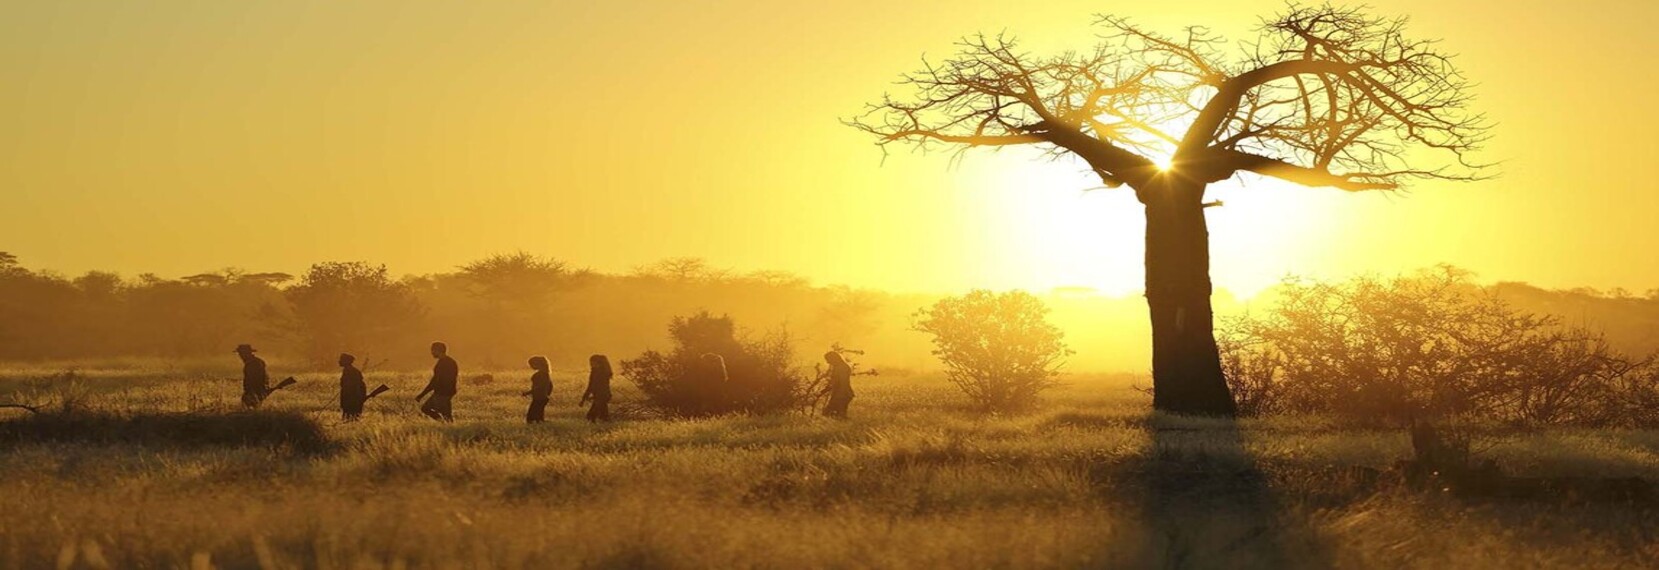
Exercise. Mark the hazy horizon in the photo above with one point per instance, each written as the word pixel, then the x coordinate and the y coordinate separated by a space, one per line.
pixel 1222 293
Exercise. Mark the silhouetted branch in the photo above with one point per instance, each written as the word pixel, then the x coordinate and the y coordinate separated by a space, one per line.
pixel 1310 176
pixel 991 95
pixel 1331 89
pixel 1325 96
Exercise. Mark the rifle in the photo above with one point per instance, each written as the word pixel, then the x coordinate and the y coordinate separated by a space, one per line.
pixel 377 391
pixel 286 382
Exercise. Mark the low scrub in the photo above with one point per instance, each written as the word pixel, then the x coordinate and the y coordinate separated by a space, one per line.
pixel 999 348
pixel 1424 346
pixel 714 371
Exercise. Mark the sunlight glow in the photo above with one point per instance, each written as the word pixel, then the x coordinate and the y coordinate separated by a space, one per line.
pixel 1056 227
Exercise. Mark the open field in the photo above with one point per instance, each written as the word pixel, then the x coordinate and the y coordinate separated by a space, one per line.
pixel 913 480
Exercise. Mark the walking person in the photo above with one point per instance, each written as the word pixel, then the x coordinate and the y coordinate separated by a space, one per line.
pixel 254 377
pixel 599 389
pixel 840 385
pixel 541 390
pixel 442 386
pixel 353 392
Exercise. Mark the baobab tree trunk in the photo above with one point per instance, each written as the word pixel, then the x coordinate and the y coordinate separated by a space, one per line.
pixel 1186 367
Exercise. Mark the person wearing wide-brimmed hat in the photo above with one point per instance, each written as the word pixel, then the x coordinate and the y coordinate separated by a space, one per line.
pixel 254 378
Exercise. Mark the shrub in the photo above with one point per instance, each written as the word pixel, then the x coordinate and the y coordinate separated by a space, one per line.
pixel 998 348
pixel 713 371
pixel 1423 346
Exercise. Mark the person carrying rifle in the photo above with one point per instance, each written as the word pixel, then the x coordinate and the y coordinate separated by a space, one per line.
pixel 255 381
pixel 353 392
pixel 254 378
pixel 599 389
pixel 442 386
pixel 541 390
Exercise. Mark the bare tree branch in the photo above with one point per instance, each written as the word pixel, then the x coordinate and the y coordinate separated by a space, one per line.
pixel 1325 96
pixel 1307 176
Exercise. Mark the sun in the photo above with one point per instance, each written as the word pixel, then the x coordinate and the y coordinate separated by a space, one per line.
pixel 1160 148
pixel 1057 226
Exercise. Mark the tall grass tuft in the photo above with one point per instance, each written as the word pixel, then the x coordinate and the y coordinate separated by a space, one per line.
pixel 195 429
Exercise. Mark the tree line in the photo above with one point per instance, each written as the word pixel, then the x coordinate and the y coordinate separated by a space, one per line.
pixel 502 307
pixel 499 308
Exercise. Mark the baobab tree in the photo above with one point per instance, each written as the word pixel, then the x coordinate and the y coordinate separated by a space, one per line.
pixel 1323 96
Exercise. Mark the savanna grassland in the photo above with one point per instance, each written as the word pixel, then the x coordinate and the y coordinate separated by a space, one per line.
pixel 916 479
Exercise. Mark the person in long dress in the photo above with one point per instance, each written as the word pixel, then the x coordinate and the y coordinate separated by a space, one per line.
pixel 541 390
pixel 599 389
pixel 353 392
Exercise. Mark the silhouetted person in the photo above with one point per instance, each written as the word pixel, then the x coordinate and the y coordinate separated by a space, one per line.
pixel 840 385
pixel 710 389
pixel 599 388
pixel 442 386
pixel 254 379
pixel 353 392
pixel 541 389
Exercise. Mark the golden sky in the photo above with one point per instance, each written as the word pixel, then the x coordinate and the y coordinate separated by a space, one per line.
pixel 177 137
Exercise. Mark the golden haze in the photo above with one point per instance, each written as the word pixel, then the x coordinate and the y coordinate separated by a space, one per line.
pixel 270 135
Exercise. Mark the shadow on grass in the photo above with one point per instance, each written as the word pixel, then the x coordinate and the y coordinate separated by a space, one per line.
pixel 288 430
pixel 1206 504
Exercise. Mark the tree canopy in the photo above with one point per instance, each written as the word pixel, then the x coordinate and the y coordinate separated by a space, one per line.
pixel 1323 96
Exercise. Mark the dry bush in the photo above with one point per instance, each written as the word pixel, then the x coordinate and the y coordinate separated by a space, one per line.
pixel 1423 346
pixel 998 348
pixel 750 375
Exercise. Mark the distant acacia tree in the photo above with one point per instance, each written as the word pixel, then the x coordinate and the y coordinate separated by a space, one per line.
pixel 232 275
pixel 683 270
pixel 1325 96
pixel 32 313
pixel 848 314
pixel 998 348
pixel 519 278
pixel 340 306
pixel 517 290
pixel 192 317
pixel 777 279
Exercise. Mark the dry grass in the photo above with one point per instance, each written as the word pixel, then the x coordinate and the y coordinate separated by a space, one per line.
pixel 913 480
